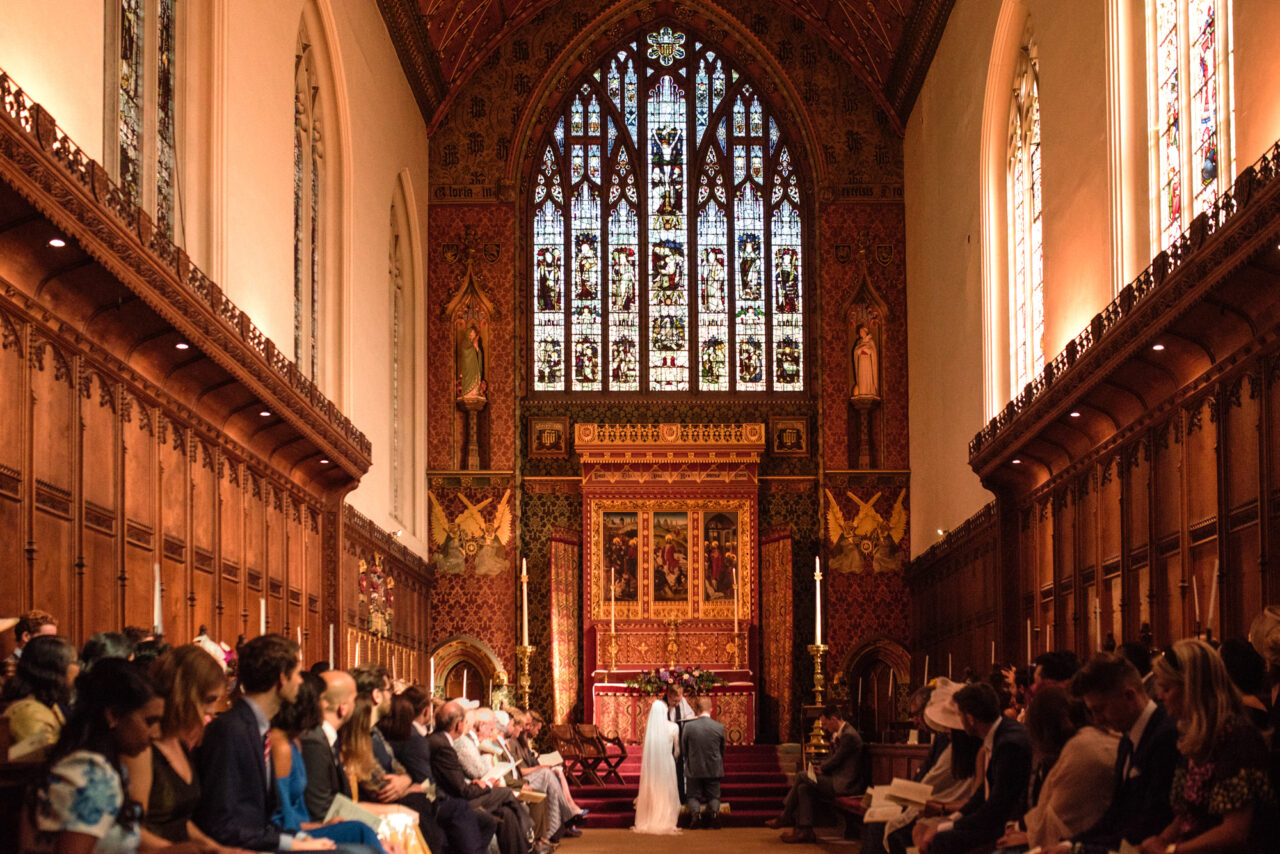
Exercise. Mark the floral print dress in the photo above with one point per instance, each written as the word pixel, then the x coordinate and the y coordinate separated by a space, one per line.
pixel 1232 776
pixel 85 794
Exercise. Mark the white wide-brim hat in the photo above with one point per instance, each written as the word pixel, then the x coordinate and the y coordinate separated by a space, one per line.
pixel 942 712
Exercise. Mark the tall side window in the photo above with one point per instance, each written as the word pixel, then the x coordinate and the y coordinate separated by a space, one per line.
pixel 308 187
pixel 1026 243
pixel 1190 84
pixel 668 236
pixel 405 330
pixel 142 101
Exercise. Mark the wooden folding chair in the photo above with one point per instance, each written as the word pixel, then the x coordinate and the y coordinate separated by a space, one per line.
pixel 565 742
pixel 596 744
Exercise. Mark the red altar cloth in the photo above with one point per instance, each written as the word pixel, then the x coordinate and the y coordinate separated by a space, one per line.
pixel 625 711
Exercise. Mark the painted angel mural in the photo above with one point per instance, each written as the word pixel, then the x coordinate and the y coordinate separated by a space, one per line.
pixel 868 540
pixel 470 534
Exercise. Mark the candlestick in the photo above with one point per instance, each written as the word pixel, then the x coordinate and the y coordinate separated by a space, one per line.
pixel 817 598
pixel 818 650
pixel 262 615
pixel 925 678
pixel 524 591
pixel 525 682
pixel 613 601
pixel 331 646
pixel 157 616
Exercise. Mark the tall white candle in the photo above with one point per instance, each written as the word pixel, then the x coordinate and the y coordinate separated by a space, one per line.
pixel 299 637
pixel 262 615
pixel 431 677
pixel 891 681
pixel 735 603
pixel 925 679
pixel 1028 640
pixel 613 600
pixel 464 682
pixel 949 676
pixel 1211 616
pixel 993 652
pixel 157 616
pixel 331 646
pixel 524 593
pixel 1195 597
pixel 817 597
pixel 357 664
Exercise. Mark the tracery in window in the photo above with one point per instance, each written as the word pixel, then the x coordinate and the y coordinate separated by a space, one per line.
pixel 1026 245
pixel 667 235
pixel 1189 90
pixel 308 156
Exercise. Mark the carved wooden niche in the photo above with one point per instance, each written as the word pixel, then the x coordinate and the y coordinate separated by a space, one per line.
pixel 469 314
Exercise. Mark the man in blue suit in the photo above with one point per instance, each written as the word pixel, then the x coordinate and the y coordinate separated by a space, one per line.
pixel 234 760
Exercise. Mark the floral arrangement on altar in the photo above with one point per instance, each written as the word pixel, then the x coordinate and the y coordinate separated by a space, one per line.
pixel 694 680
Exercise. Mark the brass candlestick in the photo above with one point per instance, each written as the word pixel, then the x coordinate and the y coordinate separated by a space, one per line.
pixel 818 650
pixel 613 651
pixel 734 648
pixel 523 654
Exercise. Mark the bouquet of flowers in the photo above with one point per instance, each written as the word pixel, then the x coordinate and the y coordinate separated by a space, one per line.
pixel 694 680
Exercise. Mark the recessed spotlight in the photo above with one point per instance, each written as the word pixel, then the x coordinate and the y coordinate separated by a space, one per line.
pixel 1075 414
pixel 1016 462
pixel 324 462
pixel 941 533
pixel 1157 347
pixel 398 533
pixel 182 345
pixel 57 242
pixel 266 413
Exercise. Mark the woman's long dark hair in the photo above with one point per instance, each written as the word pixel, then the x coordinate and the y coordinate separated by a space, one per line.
pixel 42 671
pixel 964 754
pixel 303 713
pixel 114 685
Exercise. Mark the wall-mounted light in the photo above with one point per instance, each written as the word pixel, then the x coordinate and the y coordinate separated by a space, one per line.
pixel 1075 414
pixel 1157 347
pixel 266 413
pixel 57 242
pixel 324 462
pixel 182 345
pixel 1016 462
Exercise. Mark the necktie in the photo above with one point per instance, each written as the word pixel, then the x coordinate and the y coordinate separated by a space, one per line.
pixel 266 757
pixel 1123 754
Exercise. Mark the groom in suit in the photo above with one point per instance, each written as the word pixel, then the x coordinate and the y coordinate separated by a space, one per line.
pixel 702 746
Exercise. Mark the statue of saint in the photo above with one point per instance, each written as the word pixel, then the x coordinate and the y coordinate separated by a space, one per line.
pixel 866 364
pixel 471 381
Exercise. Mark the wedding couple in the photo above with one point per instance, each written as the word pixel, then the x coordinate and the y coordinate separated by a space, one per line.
pixel 675 731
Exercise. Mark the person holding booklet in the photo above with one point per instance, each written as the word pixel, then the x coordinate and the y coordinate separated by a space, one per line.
pixel 840 774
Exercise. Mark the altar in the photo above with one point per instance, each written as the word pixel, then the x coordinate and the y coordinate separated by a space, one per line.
pixel 669 573
pixel 625 711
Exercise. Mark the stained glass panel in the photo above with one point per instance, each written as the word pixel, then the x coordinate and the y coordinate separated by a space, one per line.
pixel 617 285
pixel 132 27
pixel 1204 101
pixel 165 129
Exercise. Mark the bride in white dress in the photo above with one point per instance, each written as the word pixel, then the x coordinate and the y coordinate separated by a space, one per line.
pixel 658 804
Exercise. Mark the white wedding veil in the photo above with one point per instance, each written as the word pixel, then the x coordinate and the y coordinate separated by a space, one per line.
pixel 658 804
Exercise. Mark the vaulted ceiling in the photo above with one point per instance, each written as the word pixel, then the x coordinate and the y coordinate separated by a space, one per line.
pixel 890 43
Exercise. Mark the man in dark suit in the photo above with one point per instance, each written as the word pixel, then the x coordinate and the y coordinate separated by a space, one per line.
pixel 326 776
pixel 234 760
pixel 981 820
pixel 515 830
pixel 1112 689
pixel 702 745
pixel 841 774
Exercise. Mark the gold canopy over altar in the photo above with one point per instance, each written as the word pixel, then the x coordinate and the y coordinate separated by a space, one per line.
pixel 670 563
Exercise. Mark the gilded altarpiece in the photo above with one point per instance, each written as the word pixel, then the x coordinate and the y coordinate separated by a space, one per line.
pixel 670 563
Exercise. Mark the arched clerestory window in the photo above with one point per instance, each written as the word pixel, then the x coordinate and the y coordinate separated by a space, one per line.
pixel 308 187
pixel 1026 236
pixel 1189 47
pixel 668 250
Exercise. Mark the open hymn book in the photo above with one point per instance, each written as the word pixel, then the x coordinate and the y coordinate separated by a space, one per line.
pixel 887 801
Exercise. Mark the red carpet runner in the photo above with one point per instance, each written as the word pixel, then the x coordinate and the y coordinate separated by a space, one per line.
pixel 753 786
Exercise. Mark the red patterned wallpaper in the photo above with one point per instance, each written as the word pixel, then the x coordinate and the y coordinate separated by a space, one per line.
pixel 493 223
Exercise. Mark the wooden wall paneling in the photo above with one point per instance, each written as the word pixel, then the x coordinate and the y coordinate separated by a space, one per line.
pixel 205 520
pixel 232 605
pixel 99 506
pixel 53 404
pixel 314 585
pixel 140 552
pixel 173 495
pixel 255 553
pixel 275 572
pixel 14 470
pixel 1267 434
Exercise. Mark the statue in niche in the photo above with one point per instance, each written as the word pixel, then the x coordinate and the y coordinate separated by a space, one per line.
pixel 866 364
pixel 471 377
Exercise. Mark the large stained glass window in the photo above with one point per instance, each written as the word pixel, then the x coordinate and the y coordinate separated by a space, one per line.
pixel 145 106
pixel 667 235
pixel 1026 244
pixel 308 186
pixel 1188 43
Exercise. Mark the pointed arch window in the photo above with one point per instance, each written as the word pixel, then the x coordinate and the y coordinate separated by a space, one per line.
pixel 308 187
pixel 668 250
pixel 1189 43
pixel 1026 240
pixel 142 99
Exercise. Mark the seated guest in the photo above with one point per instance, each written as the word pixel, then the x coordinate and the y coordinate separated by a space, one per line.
pixel 519 744
pixel 1221 795
pixel 38 696
pixel 326 775
pixel 30 625
pixel 81 804
pixel 1264 634
pixel 1248 673
pixel 163 780
pixel 560 814
pixel 1053 668
pixel 515 834
pixel 1072 772
pixel 381 776
pixel 949 768
pixel 1114 693
pixel 148 651
pixel 234 760
pixel 295 717
pixel 840 774
pixel 982 819
pixel 105 645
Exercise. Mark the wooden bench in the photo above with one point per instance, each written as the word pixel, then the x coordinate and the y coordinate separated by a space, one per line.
pixel 887 761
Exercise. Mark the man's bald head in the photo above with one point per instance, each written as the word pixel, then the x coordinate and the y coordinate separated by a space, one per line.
pixel 449 716
pixel 338 700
